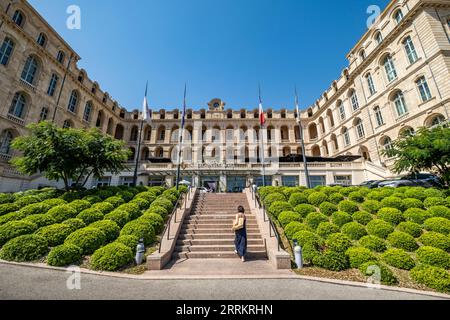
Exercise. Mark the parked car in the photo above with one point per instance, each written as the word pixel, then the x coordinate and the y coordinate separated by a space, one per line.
pixel 426 180
pixel 370 184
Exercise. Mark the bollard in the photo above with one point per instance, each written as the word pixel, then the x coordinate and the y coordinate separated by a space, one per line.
pixel 298 254
pixel 140 250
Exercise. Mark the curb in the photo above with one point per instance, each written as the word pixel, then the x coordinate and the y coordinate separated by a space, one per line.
pixel 231 277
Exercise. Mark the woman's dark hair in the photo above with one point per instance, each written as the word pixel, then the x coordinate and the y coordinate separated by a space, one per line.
pixel 241 209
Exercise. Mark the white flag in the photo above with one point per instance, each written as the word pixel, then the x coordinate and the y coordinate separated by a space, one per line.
pixel 146 115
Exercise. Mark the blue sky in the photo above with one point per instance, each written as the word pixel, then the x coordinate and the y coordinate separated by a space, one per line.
pixel 222 49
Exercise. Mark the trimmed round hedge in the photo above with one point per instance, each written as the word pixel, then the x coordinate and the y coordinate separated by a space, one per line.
pixel 392 202
pixel 338 242
pixel 371 206
pixel 411 228
pixel 362 217
pixel 348 206
pixel 90 215
pixel 141 203
pixel 315 218
pixel 391 215
pixel 155 220
pixel 55 234
pixel 130 241
pixel 328 208
pixel 28 247
pixel 40 220
pixel 304 209
pixel 294 227
pixel 75 223
pixel 109 228
pixel 63 212
pixel 80 205
pixel 417 215
pixel 158 210
pixel 379 228
pixel 398 258
pixel 332 260
pixel 434 201
pixel 340 218
pixel 434 257
pixel 373 243
pixel 440 225
pixel 412 203
pixel 297 198
pixel 87 239
pixel 354 230
pixel 317 198
pixel 132 209
pixel 287 217
pixel 64 255
pixel 103 207
pixel 335 198
pixel 140 229
pixel 433 277
pixel 121 217
pixel 279 206
pixel 325 229
pixel 304 236
pixel 439 212
pixel 359 255
pixel 115 201
pixel 403 241
pixel 14 229
pixel 111 257
pixel 356 196
pixel 35 208
pixel 437 240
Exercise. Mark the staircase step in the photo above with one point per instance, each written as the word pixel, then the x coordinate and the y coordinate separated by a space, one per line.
pixel 216 236
pixel 216 224
pixel 217 230
pixel 214 248
pixel 216 242
pixel 218 255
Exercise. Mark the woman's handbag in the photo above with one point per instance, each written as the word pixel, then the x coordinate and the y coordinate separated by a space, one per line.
pixel 239 225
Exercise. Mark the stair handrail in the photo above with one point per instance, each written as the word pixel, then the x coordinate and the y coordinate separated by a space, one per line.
pixel 174 214
pixel 269 219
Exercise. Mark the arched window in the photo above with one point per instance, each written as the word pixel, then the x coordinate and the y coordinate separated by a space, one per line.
pixel 42 39
pixel 94 88
pixel 132 154
pixel 315 151
pixel 330 118
pixel 346 135
pixel 400 104
pixel 354 100
pixel 162 133
pixel 370 84
pixel 424 89
pixel 379 37
pixel 52 85
pixel 159 152
pixel 67 124
pixel 19 18
pixel 341 109
pixel 73 101
pixel 398 16
pixel 148 133
pixel 134 133
pixel 60 57
pixel 360 128
pixel 5 142
pixel 119 132
pixel 389 67
pixel 387 143
pixel 378 116
pixel 30 69
pixel 243 114
pixel 436 121
pixel 335 142
pixel 363 55
pixel 6 51
pixel 145 154
pixel 322 125
pixel 109 128
pixel 81 77
pixel 285 133
pixel 229 114
pixel 18 105
pixel 410 50
pixel 405 132
pixel 87 112
pixel 99 121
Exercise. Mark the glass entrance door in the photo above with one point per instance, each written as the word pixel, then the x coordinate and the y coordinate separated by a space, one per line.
pixel 210 183
pixel 236 183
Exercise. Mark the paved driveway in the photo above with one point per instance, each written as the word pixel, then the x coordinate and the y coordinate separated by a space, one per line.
pixel 18 282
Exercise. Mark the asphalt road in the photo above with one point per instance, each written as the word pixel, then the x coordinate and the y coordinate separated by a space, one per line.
pixel 18 282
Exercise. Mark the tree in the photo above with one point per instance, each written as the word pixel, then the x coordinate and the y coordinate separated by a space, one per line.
pixel 428 149
pixel 68 154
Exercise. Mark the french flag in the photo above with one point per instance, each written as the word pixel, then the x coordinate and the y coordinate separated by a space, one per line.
pixel 262 116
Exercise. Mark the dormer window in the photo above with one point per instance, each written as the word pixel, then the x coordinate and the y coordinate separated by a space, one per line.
pixel 81 77
pixel 122 114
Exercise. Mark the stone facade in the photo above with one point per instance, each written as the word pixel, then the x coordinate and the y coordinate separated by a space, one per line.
pixel 398 79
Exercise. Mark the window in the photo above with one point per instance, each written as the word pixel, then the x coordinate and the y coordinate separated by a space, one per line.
pixel 30 70
pixel 407 132
pixel 162 135
pixel 42 40
pixel 342 111
pixel 363 55
pixel 424 90
pixel 18 104
pixel 410 50
pixel 5 51
pixel 398 16
pixel 387 143
pixel 126 181
pixel 400 105
pixel 379 37
pixel 67 124
pixel 370 84
pixel 354 99
pixel 44 114
pixel 6 139
pixel 437 121
pixel 60 57
pixel 346 136
pixel 378 116
pixel 316 181
pixel 81 77
pixel 18 18
pixel 73 102
pixel 390 68
pixel 87 112
pixel 103 182
pixel 289 181
pixel 360 129
pixel 52 86
pixel 343 180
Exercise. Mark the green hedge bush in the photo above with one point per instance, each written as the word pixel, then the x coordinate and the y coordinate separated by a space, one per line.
pixel 335 198
pixel 155 220
pixel 12 216
pixel 433 277
pixel 325 229
pixel 338 242
pixel 304 209
pixel 436 240
pixel 317 198
pixel 412 203
pixel 434 257
pixel 434 201
pixel 294 227
pixel 279 206
pixel 416 215
pixel 332 260
pixel 121 217
pixel 403 241
pixel 348 206
pixel 28 247
pixel 315 218
pixel 359 255
pixel 398 258
pixel 373 243
pixel 439 212
pixel 375 195
pixel 162 202
pixel 304 236
pixel 130 241
pixel 411 228
pixel 87 239
pixel 115 201
pixel 92 199
pixel 109 228
pixel 274 197
pixel 141 203
pixel 328 208
pixel 379 228
pixel 80 205
pixel 391 215
pixel 416 192
pixel 297 198
pixel 40 220
pixel 440 225
pixel 8 207
pixel 287 217
pixel 340 218
pixel 356 196
pixel 35 208
pixel 392 202
pixel 90 215
pixel 148 196
pixel 140 230
pixel 64 255
pixel 362 217
pixel 103 207
pixel 55 234
pixel 371 206
pixel 125 195
pixel 354 230
pixel 74 223
pixel 378 269
pixel 62 212
pixel 14 229
pixel 158 210
pixel 132 209
pixel 111 257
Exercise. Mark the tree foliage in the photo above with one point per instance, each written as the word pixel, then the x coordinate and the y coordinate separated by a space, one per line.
pixel 71 155
pixel 428 149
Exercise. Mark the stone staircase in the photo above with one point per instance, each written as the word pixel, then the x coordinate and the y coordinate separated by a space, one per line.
pixel 207 233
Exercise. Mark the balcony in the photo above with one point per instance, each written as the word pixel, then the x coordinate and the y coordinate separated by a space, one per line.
pixel 5 156
pixel 15 119
pixel 27 85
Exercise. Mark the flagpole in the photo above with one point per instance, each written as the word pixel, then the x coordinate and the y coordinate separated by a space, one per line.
pixel 138 153
pixel 262 141
pixel 181 138
pixel 305 162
